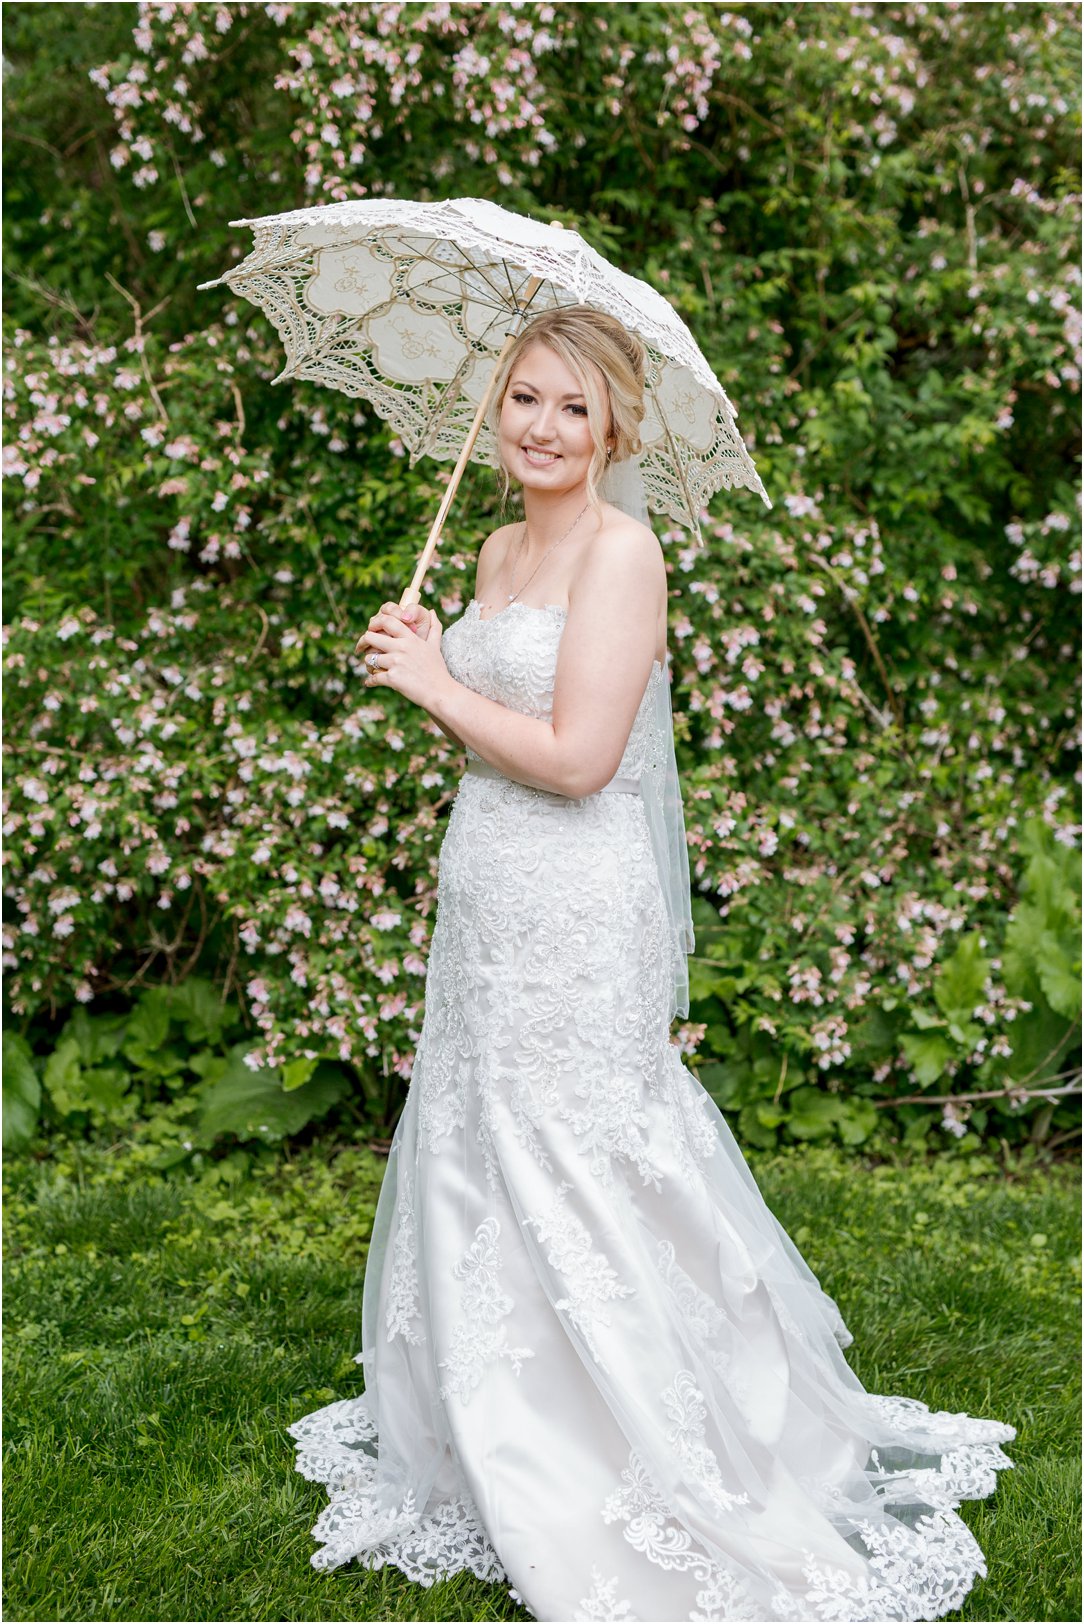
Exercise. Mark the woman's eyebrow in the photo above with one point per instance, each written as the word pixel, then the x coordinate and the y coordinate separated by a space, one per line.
pixel 521 383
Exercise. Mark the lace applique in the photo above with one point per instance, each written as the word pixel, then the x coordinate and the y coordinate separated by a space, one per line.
pixel 402 1308
pixel 602 1603
pixel 967 1473
pixel 685 1405
pixel 663 1541
pixel 724 1596
pixel 691 1105
pixel 523 1089
pixel 910 1416
pixel 920 1572
pixel 480 1339
pixel 612 1125
pixel 649 1529
pixel 592 1281
pixel 706 1322
pixel 336 1446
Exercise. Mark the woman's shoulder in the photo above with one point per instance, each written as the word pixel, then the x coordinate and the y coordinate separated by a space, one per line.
pixel 491 554
pixel 500 537
pixel 624 541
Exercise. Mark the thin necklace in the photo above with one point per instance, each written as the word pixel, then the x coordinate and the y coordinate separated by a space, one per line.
pixel 512 596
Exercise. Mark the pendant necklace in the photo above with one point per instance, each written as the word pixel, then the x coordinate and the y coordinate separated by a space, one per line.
pixel 512 596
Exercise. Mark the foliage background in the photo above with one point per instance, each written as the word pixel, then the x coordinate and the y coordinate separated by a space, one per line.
pixel 221 851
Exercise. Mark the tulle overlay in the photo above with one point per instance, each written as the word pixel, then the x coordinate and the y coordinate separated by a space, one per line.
pixel 596 1367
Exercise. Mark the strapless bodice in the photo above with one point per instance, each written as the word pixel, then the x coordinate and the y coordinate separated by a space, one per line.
pixel 512 658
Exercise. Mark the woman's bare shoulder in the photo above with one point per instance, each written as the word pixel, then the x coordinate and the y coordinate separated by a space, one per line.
pixel 499 538
pixel 623 542
pixel 491 554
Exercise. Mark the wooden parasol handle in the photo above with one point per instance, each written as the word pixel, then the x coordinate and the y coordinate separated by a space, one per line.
pixel 412 593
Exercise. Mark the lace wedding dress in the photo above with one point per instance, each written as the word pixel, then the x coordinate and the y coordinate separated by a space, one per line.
pixel 596 1367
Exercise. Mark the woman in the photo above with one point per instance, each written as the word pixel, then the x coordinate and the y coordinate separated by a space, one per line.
pixel 595 1364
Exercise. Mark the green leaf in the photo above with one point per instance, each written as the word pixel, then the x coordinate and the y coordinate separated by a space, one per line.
pixel 927 1056
pixel 22 1092
pixel 705 982
pixel 958 989
pixel 254 1105
pixel 726 1082
pixel 812 1113
pixel 105 1088
pixel 295 1073
pixel 770 1115
pixel 1059 977
pixel 99 1036
pixel 64 1079
pixel 751 1130
pixel 148 1028
pixel 198 1007
pixel 855 1120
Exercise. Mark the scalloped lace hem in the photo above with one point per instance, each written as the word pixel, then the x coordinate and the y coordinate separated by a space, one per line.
pixel 336 1446
pixel 920 1572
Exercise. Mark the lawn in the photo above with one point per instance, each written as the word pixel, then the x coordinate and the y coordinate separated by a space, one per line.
pixel 161 1332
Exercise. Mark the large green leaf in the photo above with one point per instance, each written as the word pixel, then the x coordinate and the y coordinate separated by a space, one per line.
pixel 148 1028
pixel 296 1073
pixel 64 1078
pixel 812 1113
pixel 706 981
pixel 927 1056
pixel 855 1119
pixel 73 1087
pixel 198 1006
pixel 99 1036
pixel 254 1105
pixel 22 1092
pixel 752 1131
pixel 958 989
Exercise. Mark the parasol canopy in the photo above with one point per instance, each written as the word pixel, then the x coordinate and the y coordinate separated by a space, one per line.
pixel 410 305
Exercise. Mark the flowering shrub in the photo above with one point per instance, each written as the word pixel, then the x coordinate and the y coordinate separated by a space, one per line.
pixel 874 683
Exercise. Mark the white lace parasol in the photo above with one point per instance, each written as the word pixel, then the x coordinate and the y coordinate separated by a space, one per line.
pixel 408 305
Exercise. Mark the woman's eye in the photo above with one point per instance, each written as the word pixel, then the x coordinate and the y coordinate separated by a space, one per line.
pixel 523 399
pixel 580 411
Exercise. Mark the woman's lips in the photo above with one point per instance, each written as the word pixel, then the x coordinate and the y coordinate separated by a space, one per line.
pixel 540 458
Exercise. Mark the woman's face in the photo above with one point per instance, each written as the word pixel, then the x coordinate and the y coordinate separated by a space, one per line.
pixel 545 436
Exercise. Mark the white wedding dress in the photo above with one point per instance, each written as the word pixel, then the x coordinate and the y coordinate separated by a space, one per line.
pixel 596 1367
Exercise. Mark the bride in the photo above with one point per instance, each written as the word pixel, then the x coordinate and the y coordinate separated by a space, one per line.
pixel 596 1367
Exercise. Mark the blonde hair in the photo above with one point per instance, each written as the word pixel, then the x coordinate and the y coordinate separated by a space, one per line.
pixel 608 361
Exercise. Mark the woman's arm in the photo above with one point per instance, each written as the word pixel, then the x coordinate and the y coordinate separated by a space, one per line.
pixel 603 667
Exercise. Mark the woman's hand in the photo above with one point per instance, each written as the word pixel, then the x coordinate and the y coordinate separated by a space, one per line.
pixel 413 615
pixel 405 643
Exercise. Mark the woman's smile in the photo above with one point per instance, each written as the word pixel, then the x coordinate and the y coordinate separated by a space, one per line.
pixel 539 457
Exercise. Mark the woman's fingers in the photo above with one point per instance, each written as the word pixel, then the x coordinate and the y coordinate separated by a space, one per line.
pixel 382 624
pixel 390 617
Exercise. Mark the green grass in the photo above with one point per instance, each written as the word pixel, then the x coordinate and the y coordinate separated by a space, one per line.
pixel 160 1335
